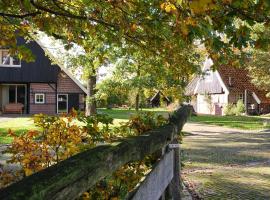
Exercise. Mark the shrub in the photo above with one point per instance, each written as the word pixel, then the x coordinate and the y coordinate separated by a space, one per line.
pixel 97 127
pixel 59 139
pixel 62 137
pixel 240 107
pixel 139 123
pixel 126 177
pixel 229 109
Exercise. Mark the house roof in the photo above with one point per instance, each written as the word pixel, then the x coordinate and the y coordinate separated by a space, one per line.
pixel 190 89
pixel 63 68
pixel 237 80
pixel 159 93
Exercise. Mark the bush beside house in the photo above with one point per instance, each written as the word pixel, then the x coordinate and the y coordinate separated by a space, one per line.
pixel 232 109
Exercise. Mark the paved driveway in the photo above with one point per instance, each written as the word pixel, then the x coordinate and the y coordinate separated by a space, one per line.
pixel 5 119
pixel 225 163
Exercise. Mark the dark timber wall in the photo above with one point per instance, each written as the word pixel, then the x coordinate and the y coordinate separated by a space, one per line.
pixel 39 71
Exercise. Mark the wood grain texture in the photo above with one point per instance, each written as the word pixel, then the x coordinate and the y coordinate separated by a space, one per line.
pixel 40 71
pixel 157 181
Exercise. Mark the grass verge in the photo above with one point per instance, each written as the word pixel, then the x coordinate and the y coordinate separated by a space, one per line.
pixel 23 124
pixel 240 122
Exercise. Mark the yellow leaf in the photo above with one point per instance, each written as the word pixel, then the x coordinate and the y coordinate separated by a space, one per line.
pixel 168 8
pixel 85 196
pixel 162 6
pixel 28 172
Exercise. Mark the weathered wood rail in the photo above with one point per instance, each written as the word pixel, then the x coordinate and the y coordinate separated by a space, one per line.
pixel 72 177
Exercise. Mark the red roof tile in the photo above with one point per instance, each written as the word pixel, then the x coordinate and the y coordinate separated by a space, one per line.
pixel 238 80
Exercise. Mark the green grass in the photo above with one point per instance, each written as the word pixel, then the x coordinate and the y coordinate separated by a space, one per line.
pixel 240 122
pixel 122 115
pixel 222 165
pixel 18 125
pixel 22 124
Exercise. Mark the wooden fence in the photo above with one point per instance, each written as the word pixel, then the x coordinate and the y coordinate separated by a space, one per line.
pixel 72 177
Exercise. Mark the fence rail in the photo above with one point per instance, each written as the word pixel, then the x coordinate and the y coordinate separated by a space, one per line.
pixel 70 178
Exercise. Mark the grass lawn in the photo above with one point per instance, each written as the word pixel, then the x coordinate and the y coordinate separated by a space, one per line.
pixel 18 125
pixel 22 124
pixel 122 115
pixel 227 165
pixel 240 122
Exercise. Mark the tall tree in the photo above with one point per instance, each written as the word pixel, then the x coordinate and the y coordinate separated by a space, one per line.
pixel 259 59
pixel 162 27
pixel 96 55
pixel 259 70
pixel 152 25
pixel 141 71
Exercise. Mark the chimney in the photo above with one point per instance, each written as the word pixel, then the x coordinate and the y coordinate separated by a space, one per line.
pixel 230 81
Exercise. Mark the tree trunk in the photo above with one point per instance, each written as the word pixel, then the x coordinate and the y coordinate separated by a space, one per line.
pixel 91 100
pixel 137 102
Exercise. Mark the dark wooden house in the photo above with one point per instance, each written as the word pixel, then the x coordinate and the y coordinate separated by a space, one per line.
pixel 40 86
pixel 155 101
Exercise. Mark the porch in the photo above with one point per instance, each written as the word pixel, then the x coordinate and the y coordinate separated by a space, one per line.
pixel 13 93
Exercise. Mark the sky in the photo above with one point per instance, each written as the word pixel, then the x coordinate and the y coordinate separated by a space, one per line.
pixel 56 48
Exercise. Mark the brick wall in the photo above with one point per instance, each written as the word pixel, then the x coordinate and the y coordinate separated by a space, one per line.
pixel 264 108
pixel 50 101
pixel 65 85
pixel 48 109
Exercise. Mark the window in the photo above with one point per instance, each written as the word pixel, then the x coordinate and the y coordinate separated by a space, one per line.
pixel 7 61
pixel 12 94
pixel 241 97
pixel 39 98
pixel 62 103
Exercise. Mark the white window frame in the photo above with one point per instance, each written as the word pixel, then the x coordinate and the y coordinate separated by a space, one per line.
pixel 36 97
pixel 11 60
pixel 66 103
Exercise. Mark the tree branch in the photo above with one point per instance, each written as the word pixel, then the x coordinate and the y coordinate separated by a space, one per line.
pixel 58 6
pixel 33 14
pixel 70 15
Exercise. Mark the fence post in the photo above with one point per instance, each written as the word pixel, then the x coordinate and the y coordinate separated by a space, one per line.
pixel 174 187
pixel 163 151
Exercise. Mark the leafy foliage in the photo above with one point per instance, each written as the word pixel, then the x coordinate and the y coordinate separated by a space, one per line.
pixel 127 177
pixel 229 109
pixel 158 36
pixel 62 137
pixel 97 126
pixel 112 92
pixel 58 140
pixel 240 107
pixel 232 109
pixel 162 28
pixel 140 123
pixel 258 68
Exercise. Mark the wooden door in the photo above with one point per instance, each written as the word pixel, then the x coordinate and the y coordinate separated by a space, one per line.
pixel 73 101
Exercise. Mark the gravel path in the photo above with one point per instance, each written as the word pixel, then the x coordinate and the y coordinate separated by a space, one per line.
pixel 205 129
pixel 226 163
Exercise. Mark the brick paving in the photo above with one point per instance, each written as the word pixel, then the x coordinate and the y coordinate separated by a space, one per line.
pixel 225 163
